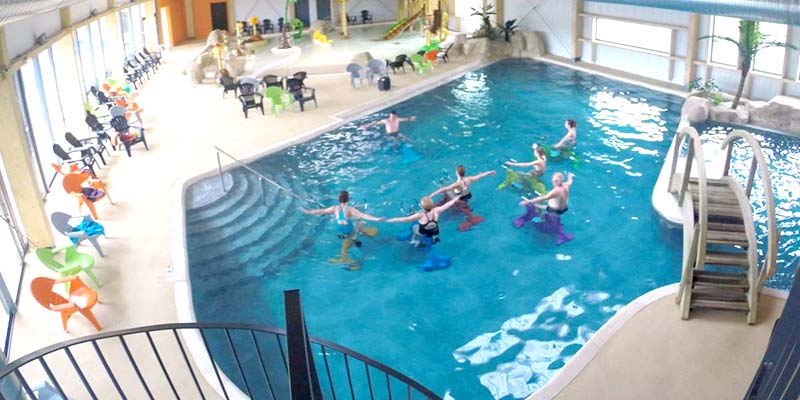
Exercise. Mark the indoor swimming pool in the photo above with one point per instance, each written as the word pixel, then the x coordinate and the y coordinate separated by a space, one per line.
pixel 513 307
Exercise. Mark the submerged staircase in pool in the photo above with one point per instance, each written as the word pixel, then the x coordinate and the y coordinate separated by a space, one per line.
pixel 719 230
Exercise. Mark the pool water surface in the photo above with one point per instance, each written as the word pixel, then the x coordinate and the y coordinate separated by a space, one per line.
pixel 513 307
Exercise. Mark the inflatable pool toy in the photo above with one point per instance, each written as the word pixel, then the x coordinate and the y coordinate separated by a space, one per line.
pixel 562 154
pixel 524 181
pixel 297 27
pixel 320 39
pixel 547 223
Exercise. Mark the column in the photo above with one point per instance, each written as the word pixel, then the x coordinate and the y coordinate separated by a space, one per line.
pixel 577 30
pixel 691 48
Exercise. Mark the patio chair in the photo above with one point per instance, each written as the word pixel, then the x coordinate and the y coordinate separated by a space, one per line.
pixel 98 128
pixel 266 26
pixel 443 54
pixel 301 93
pixel 143 68
pixel 228 84
pixel 94 190
pixel 250 98
pixel 301 75
pixel 399 63
pixel 351 20
pixel 432 56
pixel 271 81
pixel 155 56
pixel 87 162
pixel 365 17
pixel 132 76
pixel 86 147
pixel 120 125
pixel 278 99
pixel 375 68
pixel 61 223
pixel 81 299
pixel 73 262
pixel 420 63
pixel 280 24
pixel 143 59
pixel 356 74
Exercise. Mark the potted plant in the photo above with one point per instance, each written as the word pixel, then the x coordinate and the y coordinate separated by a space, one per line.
pixel 486 29
pixel 707 89
pixel 508 28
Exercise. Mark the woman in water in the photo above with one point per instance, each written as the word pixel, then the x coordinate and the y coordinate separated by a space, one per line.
pixel 538 165
pixel 346 228
pixel 570 139
pixel 558 198
pixel 557 201
pixel 427 220
pixel 461 187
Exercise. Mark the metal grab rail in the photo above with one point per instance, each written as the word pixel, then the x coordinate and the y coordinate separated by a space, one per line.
pixel 258 174
pixel 758 162
pixel 157 376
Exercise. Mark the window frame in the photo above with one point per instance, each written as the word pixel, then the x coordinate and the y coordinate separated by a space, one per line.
pixel 782 72
pixel 710 56
pixel 669 44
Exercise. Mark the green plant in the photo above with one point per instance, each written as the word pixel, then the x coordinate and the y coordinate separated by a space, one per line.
pixel 508 28
pixel 750 42
pixel 485 13
pixel 707 89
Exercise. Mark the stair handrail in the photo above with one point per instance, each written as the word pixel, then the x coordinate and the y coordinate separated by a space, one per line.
pixel 700 230
pixel 758 162
pixel 259 175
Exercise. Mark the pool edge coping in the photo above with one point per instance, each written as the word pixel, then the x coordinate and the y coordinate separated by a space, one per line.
pixel 595 344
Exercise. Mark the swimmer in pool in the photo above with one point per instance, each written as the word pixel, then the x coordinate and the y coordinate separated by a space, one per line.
pixel 461 188
pixel 570 139
pixel 392 126
pixel 427 225
pixel 538 165
pixel 346 228
pixel 557 198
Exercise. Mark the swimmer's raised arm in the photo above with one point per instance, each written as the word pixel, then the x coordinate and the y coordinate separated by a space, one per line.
pixel 410 218
pixel 409 119
pixel 520 164
pixel 568 183
pixel 371 124
pixel 321 211
pixel 362 215
pixel 539 199
pixel 445 188
pixel 447 205
pixel 482 175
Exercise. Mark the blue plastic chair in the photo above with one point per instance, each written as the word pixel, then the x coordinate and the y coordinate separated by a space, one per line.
pixel 356 74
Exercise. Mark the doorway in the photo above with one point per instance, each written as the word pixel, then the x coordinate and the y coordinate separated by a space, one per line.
pixel 324 10
pixel 219 16
pixel 301 12
pixel 166 36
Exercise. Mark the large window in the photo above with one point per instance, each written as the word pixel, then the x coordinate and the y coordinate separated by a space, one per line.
pixel 648 37
pixel 771 59
pixel 83 45
pixel 97 51
pixel 12 250
pixel 723 51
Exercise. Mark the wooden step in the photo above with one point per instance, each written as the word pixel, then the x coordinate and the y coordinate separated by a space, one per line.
pixel 726 227
pixel 727 258
pixel 727 238
pixel 710 181
pixel 723 299
pixel 728 197
pixel 720 279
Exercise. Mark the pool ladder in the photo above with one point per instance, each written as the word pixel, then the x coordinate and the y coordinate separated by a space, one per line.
pixel 719 229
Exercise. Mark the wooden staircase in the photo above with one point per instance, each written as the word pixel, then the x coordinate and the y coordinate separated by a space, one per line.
pixel 719 231
pixel 402 26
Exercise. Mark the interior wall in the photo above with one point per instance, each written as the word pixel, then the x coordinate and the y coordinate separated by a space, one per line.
pixel 263 9
pixel 201 13
pixel 551 18
pixel 177 19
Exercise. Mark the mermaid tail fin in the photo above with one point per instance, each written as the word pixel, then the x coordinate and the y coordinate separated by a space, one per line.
pixel 563 238
pixel 511 177
pixel 471 221
pixel 530 213
pixel 408 154
pixel 343 257
pixel 435 262
pixel 369 231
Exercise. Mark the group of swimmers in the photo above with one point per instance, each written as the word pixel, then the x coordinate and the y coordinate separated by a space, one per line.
pixel 426 221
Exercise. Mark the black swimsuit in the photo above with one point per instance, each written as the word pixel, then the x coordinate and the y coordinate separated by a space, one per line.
pixel 557 212
pixel 430 228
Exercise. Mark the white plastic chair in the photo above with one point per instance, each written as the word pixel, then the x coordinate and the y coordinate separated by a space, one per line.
pixel 356 73
pixel 61 220
pixel 375 68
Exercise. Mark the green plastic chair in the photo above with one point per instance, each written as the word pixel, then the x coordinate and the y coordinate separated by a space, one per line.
pixel 420 63
pixel 74 262
pixel 278 98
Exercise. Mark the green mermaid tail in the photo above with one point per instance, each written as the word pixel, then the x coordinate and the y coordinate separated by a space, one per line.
pixel 526 182
pixel 570 155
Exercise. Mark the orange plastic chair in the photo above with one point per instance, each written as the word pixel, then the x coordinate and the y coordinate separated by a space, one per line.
pixel 81 298
pixel 432 56
pixel 132 107
pixel 73 185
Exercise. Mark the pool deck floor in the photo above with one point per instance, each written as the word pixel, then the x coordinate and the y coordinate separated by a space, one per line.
pixel 184 122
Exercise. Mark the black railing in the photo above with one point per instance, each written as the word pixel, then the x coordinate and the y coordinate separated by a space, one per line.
pixel 154 362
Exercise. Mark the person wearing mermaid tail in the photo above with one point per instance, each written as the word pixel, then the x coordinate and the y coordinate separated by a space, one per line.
pixel 426 228
pixel 538 165
pixel 347 228
pixel 461 188
pixel 557 201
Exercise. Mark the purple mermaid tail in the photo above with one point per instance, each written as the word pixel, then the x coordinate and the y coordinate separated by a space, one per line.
pixel 531 212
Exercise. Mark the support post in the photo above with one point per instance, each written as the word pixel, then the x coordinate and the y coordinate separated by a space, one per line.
pixel 65 15
pixel 691 48
pixel 303 377
pixel 577 30
pixel 499 9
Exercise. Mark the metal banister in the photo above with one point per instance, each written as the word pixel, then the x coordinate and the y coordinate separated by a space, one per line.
pixel 14 368
pixel 758 162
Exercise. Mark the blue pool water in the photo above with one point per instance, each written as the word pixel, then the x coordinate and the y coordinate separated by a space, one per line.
pixel 513 308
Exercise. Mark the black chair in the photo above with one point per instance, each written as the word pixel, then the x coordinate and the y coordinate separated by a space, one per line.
pixel 99 129
pixel 365 16
pixel 228 84
pixel 351 20
pixel 132 76
pixel 301 93
pixel 120 125
pixel 443 54
pixel 280 24
pixel 143 70
pixel 143 59
pixel 271 80
pixel 301 75
pixel 86 147
pixel 250 98
pixel 156 55
pixel 266 26
pixel 88 162
pixel 399 63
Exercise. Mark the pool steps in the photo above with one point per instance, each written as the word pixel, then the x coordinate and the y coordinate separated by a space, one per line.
pixel 719 231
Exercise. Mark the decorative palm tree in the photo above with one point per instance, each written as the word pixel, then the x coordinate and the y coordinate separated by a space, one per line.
pixel 485 13
pixel 750 42
pixel 285 31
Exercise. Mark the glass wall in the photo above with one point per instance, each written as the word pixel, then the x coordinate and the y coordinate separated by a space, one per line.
pixel 12 249
pixel 131 25
pixel 89 52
